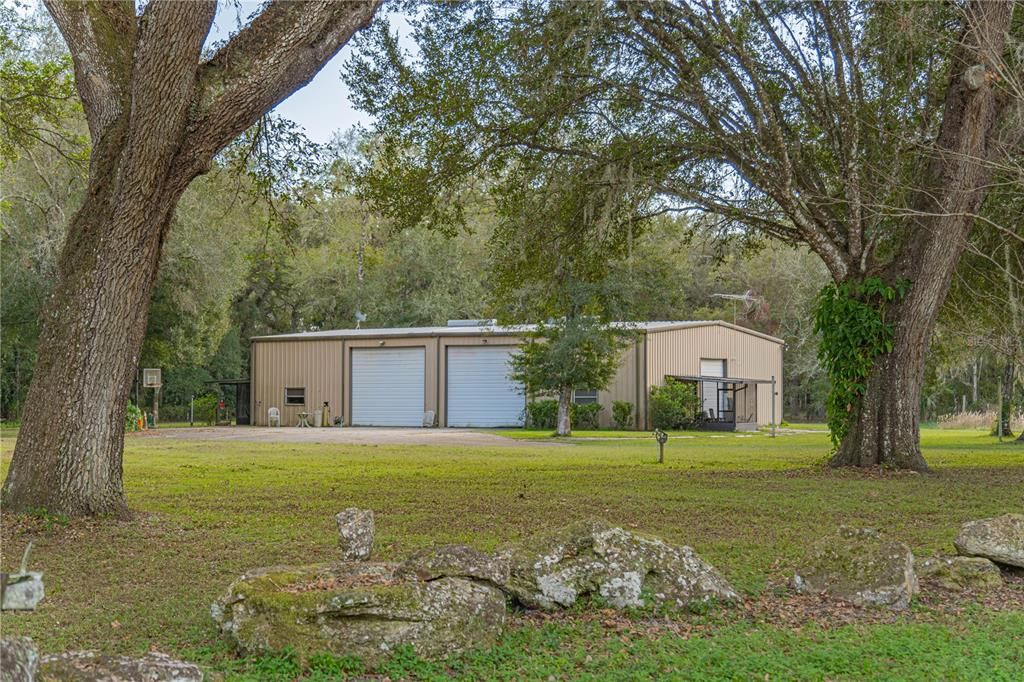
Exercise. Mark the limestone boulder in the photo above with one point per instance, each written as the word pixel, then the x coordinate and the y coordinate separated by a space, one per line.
pixel 456 561
pixel 861 566
pixel 362 609
pixel 1000 539
pixel 19 659
pixel 91 666
pixel 960 572
pixel 355 533
pixel 554 569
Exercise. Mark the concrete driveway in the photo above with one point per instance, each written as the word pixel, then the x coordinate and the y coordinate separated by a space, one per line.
pixel 361 435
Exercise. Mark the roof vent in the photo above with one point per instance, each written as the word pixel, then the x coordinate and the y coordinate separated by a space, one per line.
pixel 472 323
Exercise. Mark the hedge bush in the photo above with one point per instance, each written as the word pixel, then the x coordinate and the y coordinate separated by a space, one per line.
pixel 204 409
pixel 675 405
pixel 543 414
pixel 585 416
pixel 622 414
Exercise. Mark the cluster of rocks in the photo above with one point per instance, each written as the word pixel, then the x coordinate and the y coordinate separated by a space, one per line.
pixel 451 598
pixel 22 663
pixel 861 566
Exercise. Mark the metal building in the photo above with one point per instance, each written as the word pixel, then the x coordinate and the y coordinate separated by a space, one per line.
pixel 459 373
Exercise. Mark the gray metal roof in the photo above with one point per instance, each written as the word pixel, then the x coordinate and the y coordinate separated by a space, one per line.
pixel 490 330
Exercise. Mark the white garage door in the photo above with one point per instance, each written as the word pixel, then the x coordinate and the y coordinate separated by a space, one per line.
pixel 387 386
pixel 479 390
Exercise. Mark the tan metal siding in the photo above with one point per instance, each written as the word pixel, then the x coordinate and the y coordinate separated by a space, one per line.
pixel 623 386
pixel 679 351
pixel 313 365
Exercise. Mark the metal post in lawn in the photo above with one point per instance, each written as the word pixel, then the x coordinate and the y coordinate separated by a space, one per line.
pixel 156 404
pixel 773 406
pixel 999 411
pixel 191 409
pixel 661 437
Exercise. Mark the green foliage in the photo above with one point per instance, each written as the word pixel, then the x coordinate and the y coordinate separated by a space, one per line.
pixel 622 414
pixel 205 409
pixel 326 665
pixel 542 414
pixel 132 415
pixel 675 405
pixel 36 87
pixel 851 319
pixel 50 520
pixel 586 415
pixel 575 353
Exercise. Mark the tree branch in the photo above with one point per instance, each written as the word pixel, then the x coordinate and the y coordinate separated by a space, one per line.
pixel 101 38
pixel 279 52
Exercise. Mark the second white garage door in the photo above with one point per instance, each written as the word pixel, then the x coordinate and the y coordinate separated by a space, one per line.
pixel 479 390
pixel 387 386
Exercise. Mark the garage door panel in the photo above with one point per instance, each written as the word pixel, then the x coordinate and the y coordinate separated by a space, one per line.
pixel 479 391
pixel 714 402
pixel 388 386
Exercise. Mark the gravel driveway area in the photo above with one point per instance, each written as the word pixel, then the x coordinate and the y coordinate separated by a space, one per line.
pixel 361 435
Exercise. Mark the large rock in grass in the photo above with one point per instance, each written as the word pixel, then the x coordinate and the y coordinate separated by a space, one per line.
pixel 355 533
pixel 960 572
pixel 92 666
pixel 1000 539
pixel 555 569
pixel 19 659
pixel 859 565
pixel 456 561
pixel 361 609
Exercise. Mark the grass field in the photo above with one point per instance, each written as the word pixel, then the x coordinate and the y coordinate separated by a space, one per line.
pixel 205 512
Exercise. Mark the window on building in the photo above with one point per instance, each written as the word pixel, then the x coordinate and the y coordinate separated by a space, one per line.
pixel 581 397
pixel 294 396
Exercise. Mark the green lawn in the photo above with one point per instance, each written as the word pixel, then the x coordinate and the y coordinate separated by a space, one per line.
pixel 208 511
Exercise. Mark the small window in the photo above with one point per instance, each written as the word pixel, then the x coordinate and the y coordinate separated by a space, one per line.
pixel 294 396
pixel 581 397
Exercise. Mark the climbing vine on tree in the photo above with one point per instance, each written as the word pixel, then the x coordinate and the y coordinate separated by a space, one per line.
pixel 851 318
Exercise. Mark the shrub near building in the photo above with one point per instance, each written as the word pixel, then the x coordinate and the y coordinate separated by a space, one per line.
pixel 675 405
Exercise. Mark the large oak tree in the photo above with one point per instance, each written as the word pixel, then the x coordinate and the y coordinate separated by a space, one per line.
pixel 867 130
pixel 158 111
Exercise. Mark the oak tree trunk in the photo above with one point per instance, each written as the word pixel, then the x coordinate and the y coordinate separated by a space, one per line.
pixel 886 427
pixel 563 425
pixel 158 112
pixel 68 452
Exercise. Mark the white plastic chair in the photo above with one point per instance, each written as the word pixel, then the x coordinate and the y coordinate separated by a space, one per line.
pixel 273 417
